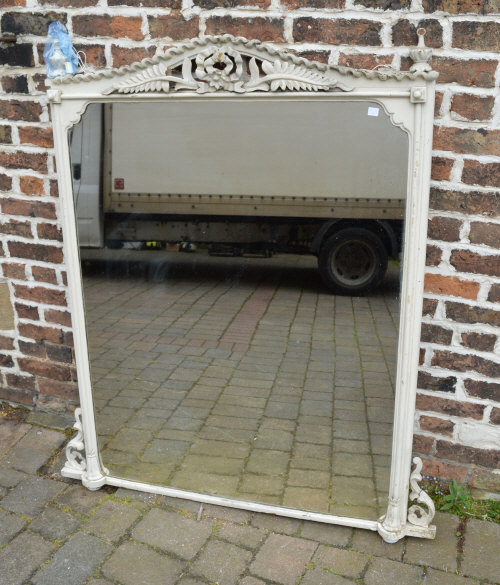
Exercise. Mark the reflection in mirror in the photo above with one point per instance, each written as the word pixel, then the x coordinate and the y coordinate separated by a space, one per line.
pixel 222 361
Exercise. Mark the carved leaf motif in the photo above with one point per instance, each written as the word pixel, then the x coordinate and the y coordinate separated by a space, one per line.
pixel 152 79
pixel 286 76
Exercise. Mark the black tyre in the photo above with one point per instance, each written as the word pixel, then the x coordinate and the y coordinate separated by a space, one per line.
pixel 352 261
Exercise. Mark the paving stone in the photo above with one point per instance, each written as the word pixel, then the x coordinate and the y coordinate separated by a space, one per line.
pixel 268 462
pixel 31 452
pixel 262 484
pixel 54 524
pixel 371 542
pixel 305 498
pixel 74 562
pixel 434 577
pixel 98 582
pixel 227 514
pixel 440 553
pixel 282 558
pixel 11 431
pixel 386 572
pixel 246 536
pixel 111 520
pixel 147 498
pixel 221 563
pixel 481 557
pixel 320 577
pixel 10 477
pixel 209 464
pixel 21 557
pixel 173 533
pixel 191 581
pixel 251 581
pixel 30 496
pixel 54 420
pixel 9 526
pixel 80 500
pixel 326 533
pixel 279 524
pixel 344 562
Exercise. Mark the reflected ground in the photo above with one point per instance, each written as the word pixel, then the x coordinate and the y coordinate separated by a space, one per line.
pixel 242 377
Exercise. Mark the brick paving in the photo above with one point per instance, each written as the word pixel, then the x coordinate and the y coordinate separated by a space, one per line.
pixel 71 536
pixel 243 377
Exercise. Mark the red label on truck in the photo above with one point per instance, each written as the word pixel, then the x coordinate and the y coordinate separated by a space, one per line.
pixel 119 183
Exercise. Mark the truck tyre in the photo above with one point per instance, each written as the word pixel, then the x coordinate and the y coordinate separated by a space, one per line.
pixel 352 261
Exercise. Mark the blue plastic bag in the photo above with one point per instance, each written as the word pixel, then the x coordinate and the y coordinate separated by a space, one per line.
pixel 59 54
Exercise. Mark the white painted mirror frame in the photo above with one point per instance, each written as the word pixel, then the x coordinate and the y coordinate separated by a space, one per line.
pixel 407 97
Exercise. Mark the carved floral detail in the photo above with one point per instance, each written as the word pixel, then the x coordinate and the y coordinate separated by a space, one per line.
pixel 417 515
pixel 75 458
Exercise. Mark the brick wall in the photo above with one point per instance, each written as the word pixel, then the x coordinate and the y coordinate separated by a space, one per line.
pixel 458 402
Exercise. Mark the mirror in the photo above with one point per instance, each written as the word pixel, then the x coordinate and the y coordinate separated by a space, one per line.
pixel 238 308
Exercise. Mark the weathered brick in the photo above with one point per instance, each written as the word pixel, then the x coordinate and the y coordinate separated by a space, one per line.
pixel 465 363
pixel 358 61
pixel 483 174
pixel 445 471
pixel 20 382
pixel 94 54
pixel 433 424
pixel 125 56
pixel 337 32
pixel 485 390
pixel 467 261
pixel 450 285
pixel 175 27
pixel 40 82
pixel 438 100
pixel 435 334
pixel 70 3
pixel 49 231
pixel 43 209
pixel 17 55
pixel 66 390
pixel 14 227
pixel 479 341
pixel 467 72
pixel 26 111
pixel 476 36
pixel 17 395
pixel 429 307
pixel 320 56
pixel 36 252
pixel 44 369
pixel 404 33
pixel 449 407
pixel 444 228
pixel 495 416
pixel 27 312
pixel 456 452
pixel 485 233
pixel 441 168
pixel 44 274
pixel 211 4
pixel 473 203
pixel 486 480
pixel 15 84
pixel 108 26
pixel 472 107
pixel 494 294
pixel 59 317
pixel 54 188
pixel 14 270
pixel 469 314
pixel 59 353
pixel 461 6
pixel 5 182
pixel 30 23
pixel 422 444
pixel 5 134
pixel 24 160
pixel 36 135
pixel 32 186
pixel 6 343
pixel 32 348
pixel 12 3
pixel 175 4
pixel 433 256
pixel 467 140
pixel 41 332
pixel 6 361
pixel 427 381
pixel 40 294
pixel 384 4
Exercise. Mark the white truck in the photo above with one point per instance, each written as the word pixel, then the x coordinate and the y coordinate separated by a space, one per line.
pixel 327 178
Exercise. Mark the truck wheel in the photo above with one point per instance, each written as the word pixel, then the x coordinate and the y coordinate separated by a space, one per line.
pixel 352 261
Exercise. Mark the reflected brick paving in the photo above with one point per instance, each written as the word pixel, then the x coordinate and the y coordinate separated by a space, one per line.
pixel 243 377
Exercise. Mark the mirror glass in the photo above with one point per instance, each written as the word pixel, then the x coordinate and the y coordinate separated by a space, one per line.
pixel 241 273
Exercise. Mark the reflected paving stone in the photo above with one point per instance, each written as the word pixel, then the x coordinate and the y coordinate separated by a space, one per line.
pixel 386 572
pixel 205 482
pixel 281 410
pixel 481 558
pixel 220 449
pixel 173 533
pixel 306 499
pixel 320 577
pixel 221 563
pixel 54 524
pixel 9 526
pixel 162 450
pixel 350 430
pixel 130 440
pixel 32 495
pixel 351 464
pixel 221 465
pixel 182 423
pixel 273 439
pixel 355 491
pixel 74 562
pixel 33 449
pixel 224 434
pixel 111 520
pixel 283 559
pixel 134 563
pixel 313 479
pixel 321 435
pixel 344 562
pixel 262 484
pixel 22 556
pixel 351 446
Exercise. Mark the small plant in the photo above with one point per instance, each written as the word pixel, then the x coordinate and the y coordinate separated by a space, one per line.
pixel 457 500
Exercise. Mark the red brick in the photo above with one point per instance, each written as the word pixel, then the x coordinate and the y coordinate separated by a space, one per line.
pixel 40 82
pixel 444 471
pixel 5 182
pixel 469 314
pixel 479 341
pixel 404 33
pixel 13 227
pixel 461 6
pixel 15 84
pixel 476 36
pixel 495 416
pixel 455 452
pixel 320 56
pixel 17 54
pixel 211 4
pixel 467 261
pixel 33 348
pixel 124 56
pixel 357 61
pixel 494 294
pixel 66 390
pixel 422 444
pixel 27 312
pixel 175 4
pixel 441 168
pixel 43 209
pixel 59 317
pixel 467 140
pixel 5 134
pixel 426 381
pixel 41 332
pixel 433 256
pixel 449 407
pixel 70 3
pixel 24 160
pixel 59 353
pixel 336 32
pixel 450 286
pixel 472 107
pixel 482 174
pixel 6 361
pixel 32 186
pixel 11 3
pixel 94 54
pixel 329 4
pixel 40 294
pixel 465 363
pixel 421 356
pixel 485 480
pixel 17 396
pixel 438 100
pixel 20 382
pixel 6 342
pixel 429 307
pixel 433 424
pixel 14 270
pixel 485 233
pixel 26 111
pixel 36 135
pixel 472 203
pixel 30 23
pixel 49 231
pixel 384 4
pixel 467 72
pixel 435 334
pixel 43 274
pixel 484 390
pixel 444 228
pixel 36 252
pixel 45 369
pixel 54 188
pixel 108 26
